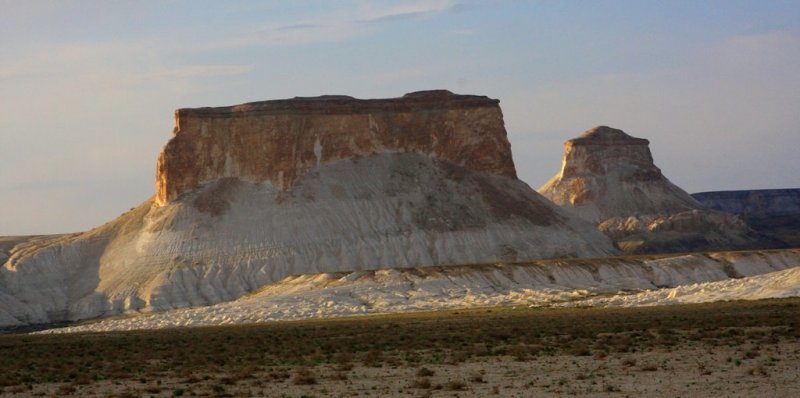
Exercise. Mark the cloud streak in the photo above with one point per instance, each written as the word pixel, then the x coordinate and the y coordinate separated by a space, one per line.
pixel 392 12
pixel 335 26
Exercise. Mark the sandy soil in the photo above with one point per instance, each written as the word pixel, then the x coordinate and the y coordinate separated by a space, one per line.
pixel 748 370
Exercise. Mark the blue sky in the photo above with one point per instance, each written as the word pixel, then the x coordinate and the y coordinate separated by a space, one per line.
pixel 87 88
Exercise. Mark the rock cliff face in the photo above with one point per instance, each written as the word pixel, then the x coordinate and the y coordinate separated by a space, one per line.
pixel 606 173
pixel 609 177
pixel 279 141
pixel 250 194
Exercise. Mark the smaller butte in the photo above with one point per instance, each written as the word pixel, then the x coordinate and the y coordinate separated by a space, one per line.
pixel 607 173
pixel 609 177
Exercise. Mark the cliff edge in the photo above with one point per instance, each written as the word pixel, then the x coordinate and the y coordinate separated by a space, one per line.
pixel 278 141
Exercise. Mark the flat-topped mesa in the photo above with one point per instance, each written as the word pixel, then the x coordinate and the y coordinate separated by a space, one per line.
pixel 280 140
pixel 603 149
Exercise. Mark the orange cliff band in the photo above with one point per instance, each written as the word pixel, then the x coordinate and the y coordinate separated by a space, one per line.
pixel 279 141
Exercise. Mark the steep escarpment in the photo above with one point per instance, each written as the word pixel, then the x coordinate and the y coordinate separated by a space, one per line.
pixel 278 141
pixel 250 194
pixel 609 177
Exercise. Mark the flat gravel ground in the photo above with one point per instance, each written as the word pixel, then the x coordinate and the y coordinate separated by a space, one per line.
pixel 736 349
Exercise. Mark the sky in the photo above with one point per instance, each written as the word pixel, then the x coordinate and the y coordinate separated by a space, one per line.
pixel 88 88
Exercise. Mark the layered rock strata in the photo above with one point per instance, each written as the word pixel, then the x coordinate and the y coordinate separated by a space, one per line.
pixel 609 177
pixel 772 212
pixel 607 173
pixel 250 194
pixel 753 202
pixel 279 141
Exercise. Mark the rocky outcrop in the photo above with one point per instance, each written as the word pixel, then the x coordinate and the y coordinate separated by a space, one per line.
pixel 279 141
pixel 251 194
pixel 607 173
pixel 609 177
pixel 687 231
pixel 771 212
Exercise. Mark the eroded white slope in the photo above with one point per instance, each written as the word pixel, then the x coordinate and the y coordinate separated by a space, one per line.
pixel 229 238
pixel 690 278
pixel 778 284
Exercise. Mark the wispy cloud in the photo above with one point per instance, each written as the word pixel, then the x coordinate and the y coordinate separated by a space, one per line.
pixel 340 24
pixel 297 26
pixel 390 13
pixel 282 35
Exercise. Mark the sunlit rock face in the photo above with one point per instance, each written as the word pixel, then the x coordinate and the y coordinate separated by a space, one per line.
pixel 607 173
pixel 250 194
pixel 279 141
pixel 609 177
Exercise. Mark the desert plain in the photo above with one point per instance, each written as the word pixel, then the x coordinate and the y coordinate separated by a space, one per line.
pixel 723 349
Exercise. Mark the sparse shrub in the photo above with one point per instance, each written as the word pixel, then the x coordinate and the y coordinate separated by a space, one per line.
pixel 9 380
pixel 277 375
pixel 455 385
pixel 128 393
pixel 753 353
pixel 192 379
pixel 344 367
pixel 303 376
pixel 373 358
pixel 611 388
pixel 581 350
pixel 520 352
pixel 65 389
pixel 458 357
pixel 582 376
pixel 423 383
pixel 343 360
pixel 758 371
pixel 83 379
pixel 649 368
pixel 425 372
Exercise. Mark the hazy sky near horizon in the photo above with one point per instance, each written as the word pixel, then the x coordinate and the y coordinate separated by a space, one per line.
pixel 88 88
